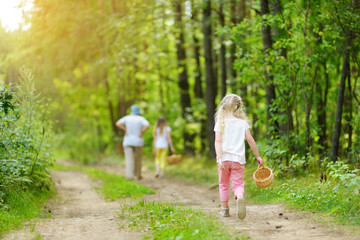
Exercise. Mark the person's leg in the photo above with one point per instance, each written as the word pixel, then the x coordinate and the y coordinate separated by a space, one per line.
pixel 224 183
pixel 157 162
pixel 163 156
pixel 129 162
pixel 237 179
pixel 138 154
pixel 237 182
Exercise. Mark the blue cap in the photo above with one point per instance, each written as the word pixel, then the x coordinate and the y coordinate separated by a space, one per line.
pixel 135 109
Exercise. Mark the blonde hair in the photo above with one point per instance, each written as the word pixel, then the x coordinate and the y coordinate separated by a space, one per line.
pixel 160 123
pixel 231 103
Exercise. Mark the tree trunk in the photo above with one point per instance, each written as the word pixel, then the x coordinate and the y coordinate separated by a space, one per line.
pixel 211 83
pixel 321 116
pixel 237 15
pixel 287 125
pixel 183 77
pixel 114 7
pixel 234 21
pixel 222 50
pixel 158 65
pixel 198 91
pixel 339 105
pixel 348 111
pixel 270 87
pixel 243 14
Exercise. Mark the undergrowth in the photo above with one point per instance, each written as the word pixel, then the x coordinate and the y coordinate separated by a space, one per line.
pixel 23 205
pixel 168 221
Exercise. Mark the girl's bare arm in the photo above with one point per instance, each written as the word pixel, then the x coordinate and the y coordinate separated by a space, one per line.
pixel 170 143
pixel 253 146
pixel 218 147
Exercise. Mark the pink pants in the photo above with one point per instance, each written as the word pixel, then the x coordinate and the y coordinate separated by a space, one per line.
pixel 233 171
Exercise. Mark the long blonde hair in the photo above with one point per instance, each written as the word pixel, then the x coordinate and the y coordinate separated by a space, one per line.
pixel 231 103
pixel 160 123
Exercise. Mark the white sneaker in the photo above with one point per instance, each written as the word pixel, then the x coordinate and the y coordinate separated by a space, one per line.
pixel 241 208
pixel 224 212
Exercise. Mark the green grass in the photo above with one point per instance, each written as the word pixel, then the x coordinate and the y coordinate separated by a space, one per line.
pixel 168 221
pixel 113 186
pixel 309 194
pixel 304 193
pixel 22 206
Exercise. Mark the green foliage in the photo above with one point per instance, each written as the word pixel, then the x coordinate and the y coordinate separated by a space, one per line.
pixel 168 221
pixel 113 186
pixel 308 194
pixel 120 55
pixel 346 179
pixel 24 140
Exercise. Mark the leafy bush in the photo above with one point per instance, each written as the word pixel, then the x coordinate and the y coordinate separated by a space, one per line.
pixel 24 139
pixel 344 177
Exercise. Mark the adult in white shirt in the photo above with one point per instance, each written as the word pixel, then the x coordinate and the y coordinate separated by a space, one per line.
pixel 134 126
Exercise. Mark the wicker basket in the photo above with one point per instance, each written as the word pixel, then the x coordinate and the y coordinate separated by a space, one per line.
pixel 174 159
pixel 263 177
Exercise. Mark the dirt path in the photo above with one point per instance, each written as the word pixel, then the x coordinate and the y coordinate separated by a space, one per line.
pixel 78 213
pixel 82 214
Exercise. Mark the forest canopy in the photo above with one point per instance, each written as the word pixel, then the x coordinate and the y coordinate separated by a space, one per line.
pixel 294 63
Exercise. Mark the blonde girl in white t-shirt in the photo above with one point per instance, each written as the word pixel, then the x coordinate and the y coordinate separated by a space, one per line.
pixel 162 141
pixel 231 130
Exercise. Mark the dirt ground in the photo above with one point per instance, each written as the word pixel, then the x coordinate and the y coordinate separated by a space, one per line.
pixel 80 213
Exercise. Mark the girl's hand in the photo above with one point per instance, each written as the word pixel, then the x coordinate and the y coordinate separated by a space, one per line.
pixel 154 151
pixel 260 161
pixel 221 165
pixel 172 149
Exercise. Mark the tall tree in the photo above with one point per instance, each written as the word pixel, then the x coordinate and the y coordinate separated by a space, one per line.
pixel 270 87
pixel 211 83
pixel 346 13
pixel 222 50
pixel 287 125
pixel 183 76
pixel 340 100
pixel 198 90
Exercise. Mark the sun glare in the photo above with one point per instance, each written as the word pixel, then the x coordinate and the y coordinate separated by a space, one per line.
pixel 11 14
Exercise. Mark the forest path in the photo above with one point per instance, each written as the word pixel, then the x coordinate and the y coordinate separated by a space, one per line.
pixel 80 213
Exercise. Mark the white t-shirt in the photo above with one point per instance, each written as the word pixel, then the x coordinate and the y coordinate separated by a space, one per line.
pixel 161 141
pixel 233 139
pixel 134 124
